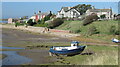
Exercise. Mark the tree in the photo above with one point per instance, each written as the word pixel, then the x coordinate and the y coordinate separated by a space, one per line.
pixel 46 18
pixel 39 21
pixel 89 19
pixel 118 17
pixel 102 16
pixel 82 8
pixel 56 22
pixel 30 22
pixel 50 14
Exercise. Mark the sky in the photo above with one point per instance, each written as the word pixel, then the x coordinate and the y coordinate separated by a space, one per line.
pixel 19 9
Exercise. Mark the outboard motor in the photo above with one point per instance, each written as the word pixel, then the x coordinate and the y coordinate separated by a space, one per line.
pixel 74 43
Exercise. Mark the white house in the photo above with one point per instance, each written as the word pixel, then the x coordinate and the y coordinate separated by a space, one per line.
pixel 68 12
pixel 11 20
pixel 107 12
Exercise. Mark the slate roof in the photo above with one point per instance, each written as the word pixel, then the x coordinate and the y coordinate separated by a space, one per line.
pixel 66 9
pixel 99 10
pixel 43 13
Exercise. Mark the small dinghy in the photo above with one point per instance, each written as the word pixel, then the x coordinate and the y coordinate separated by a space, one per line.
pixel 115 40
pixel 67 50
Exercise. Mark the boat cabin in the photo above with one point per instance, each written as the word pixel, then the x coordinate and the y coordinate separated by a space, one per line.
pixel 74 43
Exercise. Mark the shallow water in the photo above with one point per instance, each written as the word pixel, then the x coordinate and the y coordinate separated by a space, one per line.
pixel 3 21
pixel 12 57
pixel 1 47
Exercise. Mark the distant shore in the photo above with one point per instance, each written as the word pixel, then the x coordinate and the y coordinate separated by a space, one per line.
pixel 39 30
pixel 3 19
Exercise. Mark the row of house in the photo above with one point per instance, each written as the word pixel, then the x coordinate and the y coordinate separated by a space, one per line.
pixel 70 12
pixel 40 15
pixel 35 17
pixel 73 13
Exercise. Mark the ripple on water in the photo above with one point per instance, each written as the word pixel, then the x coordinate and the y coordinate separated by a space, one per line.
pixel 13 58
pixel 2 47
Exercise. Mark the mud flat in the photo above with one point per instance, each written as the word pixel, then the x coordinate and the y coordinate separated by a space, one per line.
pixel 21 39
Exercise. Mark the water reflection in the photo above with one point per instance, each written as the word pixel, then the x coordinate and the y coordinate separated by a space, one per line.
pixel 12 57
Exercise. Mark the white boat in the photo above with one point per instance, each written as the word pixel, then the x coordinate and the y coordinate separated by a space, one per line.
pixel 67 50
pixel 115 40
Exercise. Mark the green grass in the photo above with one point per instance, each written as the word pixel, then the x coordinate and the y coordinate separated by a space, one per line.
pixel 102 55
pixel 41 25
pixel 102 26
pixel 103 58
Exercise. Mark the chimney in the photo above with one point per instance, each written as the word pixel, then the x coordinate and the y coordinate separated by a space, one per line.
pixel 39 11
pixel 34 13
pixel 93 7
pixel 50 12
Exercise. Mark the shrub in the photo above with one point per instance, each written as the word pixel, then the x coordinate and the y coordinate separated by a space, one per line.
pixel 89 19
pixel 114 31
pixel 39 21
pixel 92 30
pixel 102 16
pixel 56 22
pixel 118 17
pixel 31 23
pixel 76 31
pixel 19 24
pixel 46 18
pixel 117 32
pixel 41 25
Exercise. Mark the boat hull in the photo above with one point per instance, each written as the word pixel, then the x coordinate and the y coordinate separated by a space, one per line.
pixel 68 52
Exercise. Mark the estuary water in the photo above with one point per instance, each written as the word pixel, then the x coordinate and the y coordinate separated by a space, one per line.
pixel 12 57
pixel 3 21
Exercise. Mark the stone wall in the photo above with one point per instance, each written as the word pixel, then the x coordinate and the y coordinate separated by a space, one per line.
pixel 43 30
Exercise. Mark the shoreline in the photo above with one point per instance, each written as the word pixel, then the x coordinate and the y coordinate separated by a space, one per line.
pixel 2 56
pixel 40 30
pixel 38 56
pixel 18 38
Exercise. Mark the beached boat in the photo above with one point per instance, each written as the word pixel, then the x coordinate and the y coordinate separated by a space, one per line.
pixel 115 40
pixel 67 50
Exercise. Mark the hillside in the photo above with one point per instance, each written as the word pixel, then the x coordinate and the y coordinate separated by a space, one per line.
pixel 102 26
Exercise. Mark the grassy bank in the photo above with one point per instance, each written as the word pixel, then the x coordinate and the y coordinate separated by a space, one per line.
pixel 102 26
pixel 92 55
pixel 100 55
